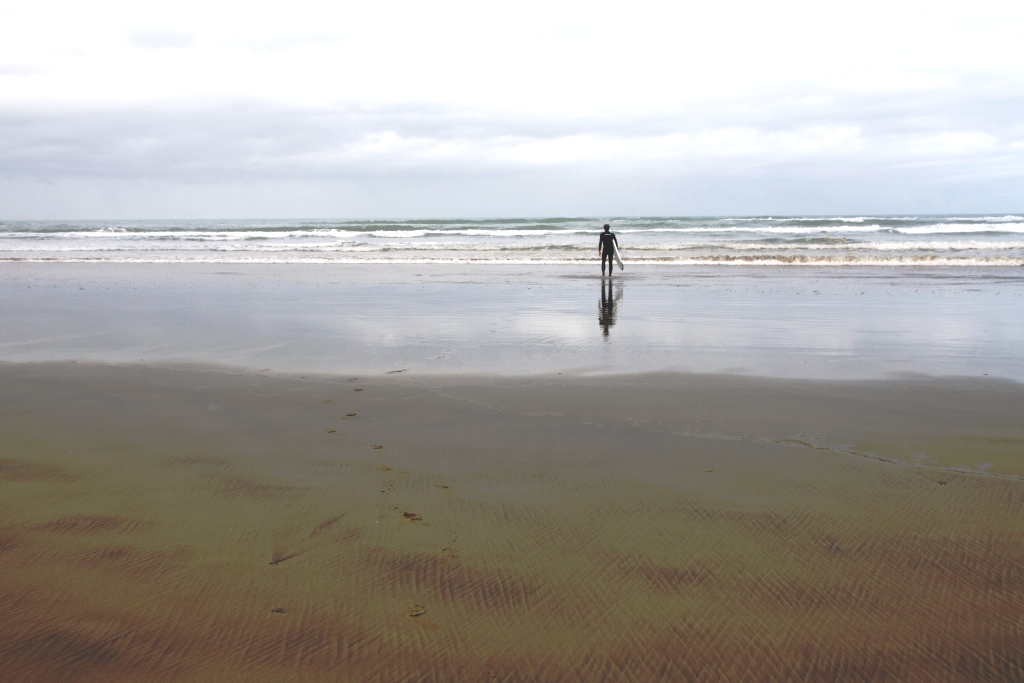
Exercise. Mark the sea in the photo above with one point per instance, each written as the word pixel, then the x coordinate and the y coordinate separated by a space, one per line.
pixel 926 240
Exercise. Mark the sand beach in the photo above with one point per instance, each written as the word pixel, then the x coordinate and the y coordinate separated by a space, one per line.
pixel 219 472
pixel 206 525
pixel 311 371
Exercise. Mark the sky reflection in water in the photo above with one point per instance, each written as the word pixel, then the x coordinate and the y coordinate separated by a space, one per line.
pixel 430 319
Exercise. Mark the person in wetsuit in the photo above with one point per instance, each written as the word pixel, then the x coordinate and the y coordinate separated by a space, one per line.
pixel 606 247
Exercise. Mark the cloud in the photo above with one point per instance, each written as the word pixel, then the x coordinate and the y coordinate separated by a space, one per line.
pixel 160 39
pixel 19 70
pixel 252 140
pixel 820 154
pixel 726 107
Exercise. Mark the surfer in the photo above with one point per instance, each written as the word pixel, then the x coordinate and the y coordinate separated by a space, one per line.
pixel 606 247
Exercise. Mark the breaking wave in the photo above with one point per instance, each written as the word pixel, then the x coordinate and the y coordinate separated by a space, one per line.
pixel 995 240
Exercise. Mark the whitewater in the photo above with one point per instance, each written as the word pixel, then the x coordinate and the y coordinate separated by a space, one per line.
pixel 947 241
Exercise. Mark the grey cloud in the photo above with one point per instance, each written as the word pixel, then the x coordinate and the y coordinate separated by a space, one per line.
pixel 256 140
pixel 262 156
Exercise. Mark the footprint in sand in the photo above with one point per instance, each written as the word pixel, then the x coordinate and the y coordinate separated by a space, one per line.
pixel 350 414
pixel 450 552
pixel 412 517
pixel 277 610
pixel 357 389
pixel 328 401
pixel 332 431
pixel 416 611
pixel 709 470
pixel 384 468
pixel 377 448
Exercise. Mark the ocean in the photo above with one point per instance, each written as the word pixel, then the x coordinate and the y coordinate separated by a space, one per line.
pixel 950 241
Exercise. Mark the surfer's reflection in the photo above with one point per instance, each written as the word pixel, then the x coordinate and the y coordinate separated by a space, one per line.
pixel 611 295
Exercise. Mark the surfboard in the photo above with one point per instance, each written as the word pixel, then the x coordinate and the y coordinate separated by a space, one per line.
pixel 615 252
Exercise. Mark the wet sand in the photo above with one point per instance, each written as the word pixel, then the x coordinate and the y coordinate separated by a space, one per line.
pixel 161 524
pixel 433 319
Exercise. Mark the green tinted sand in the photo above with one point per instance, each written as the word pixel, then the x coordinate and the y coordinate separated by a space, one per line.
pixel 172 525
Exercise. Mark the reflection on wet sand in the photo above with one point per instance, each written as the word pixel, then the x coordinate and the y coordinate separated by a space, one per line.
pixel 608 308
pixel 851 324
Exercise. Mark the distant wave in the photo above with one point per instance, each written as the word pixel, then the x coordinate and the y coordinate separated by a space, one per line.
pixel 794 240
pixel 339 247
pixel 109 234
pixel 720 259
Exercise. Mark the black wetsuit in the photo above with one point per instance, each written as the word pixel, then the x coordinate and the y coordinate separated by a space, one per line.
pixel 607 245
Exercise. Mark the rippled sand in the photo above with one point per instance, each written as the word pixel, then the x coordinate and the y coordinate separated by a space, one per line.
pixel 160 524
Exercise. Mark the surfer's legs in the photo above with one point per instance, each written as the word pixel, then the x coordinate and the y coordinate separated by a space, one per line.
pixel 611 262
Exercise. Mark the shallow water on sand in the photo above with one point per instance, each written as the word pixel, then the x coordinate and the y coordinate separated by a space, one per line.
pixel 508 321
pixel 433 319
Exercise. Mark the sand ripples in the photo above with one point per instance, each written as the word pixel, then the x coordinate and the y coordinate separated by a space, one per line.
pixel 528 544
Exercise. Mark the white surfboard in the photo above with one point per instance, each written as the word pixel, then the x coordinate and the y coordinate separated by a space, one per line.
pixel 615 252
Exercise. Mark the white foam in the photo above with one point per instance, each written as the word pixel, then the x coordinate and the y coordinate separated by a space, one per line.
pixel 865 240
pixel 712 260
pixel 961 228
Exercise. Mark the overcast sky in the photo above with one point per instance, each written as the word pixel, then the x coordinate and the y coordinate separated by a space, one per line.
pixel 443 109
